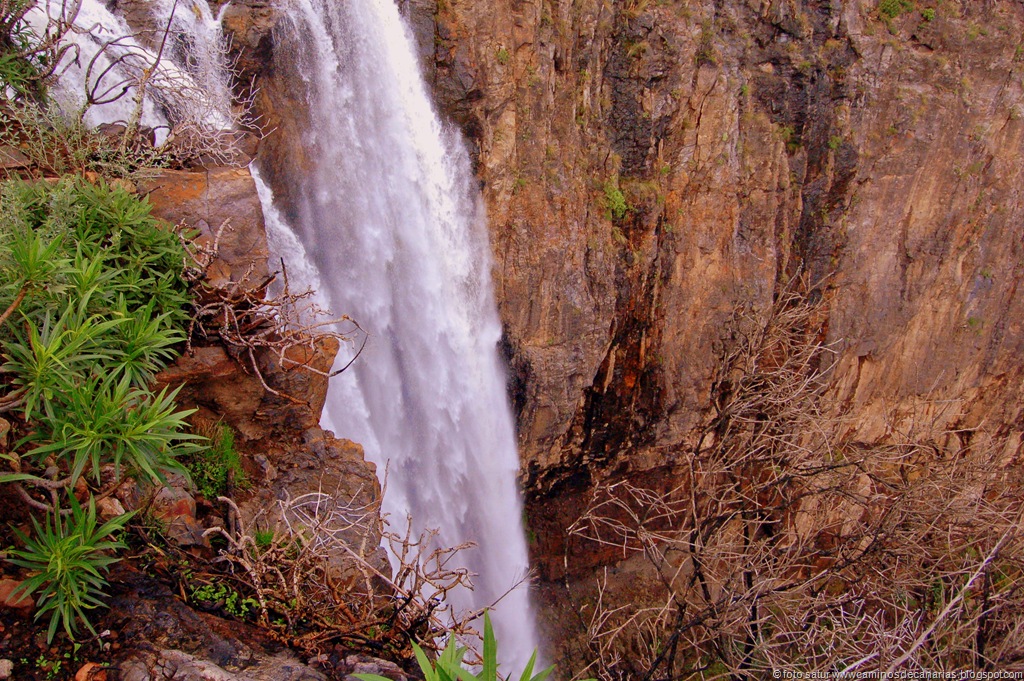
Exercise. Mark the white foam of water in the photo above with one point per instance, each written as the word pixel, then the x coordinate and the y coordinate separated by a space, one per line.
pixel 389 213
pixel 189 81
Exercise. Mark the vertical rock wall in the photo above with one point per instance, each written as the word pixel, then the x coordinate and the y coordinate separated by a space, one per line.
pixel 751 140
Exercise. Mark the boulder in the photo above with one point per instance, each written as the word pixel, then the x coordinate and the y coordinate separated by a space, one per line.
pixel 224 205
pixel 175 664
pixel 175 507
pixel 21 603
pixel 227 388
pixel 321 464
pixel 90 671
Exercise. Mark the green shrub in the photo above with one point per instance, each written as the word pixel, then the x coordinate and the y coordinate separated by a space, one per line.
pixel 212 467
pixel 264 538
pixel 46 360
pixel 68 554
pixel 790 137
pixel 106 421
pixel 92 282
pixel 614 201
pixel 89 248
pixel 448 666
pixel 890 9
pixel 92 306
pixel 707 54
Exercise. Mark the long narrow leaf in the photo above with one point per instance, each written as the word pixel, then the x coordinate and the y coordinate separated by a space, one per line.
pixel 490 668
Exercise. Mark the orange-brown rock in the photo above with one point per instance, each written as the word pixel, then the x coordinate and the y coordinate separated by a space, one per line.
pixel 228 388
pixel 223 204
pixel 19 602
pixel 213 381
pixel 328 473
pixel 90 671
pixel 271 400
pixel 302 372
pixel 175 509
pixel 12 159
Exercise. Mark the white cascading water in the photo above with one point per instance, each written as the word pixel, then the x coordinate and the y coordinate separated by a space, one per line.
pixel 388 211
pixel 96 28
pixel 189 81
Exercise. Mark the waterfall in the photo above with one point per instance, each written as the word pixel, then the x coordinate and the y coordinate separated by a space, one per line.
pixel 100 39
pixel 387 209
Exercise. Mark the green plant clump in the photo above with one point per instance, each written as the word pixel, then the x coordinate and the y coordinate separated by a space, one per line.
pixel 67 554
pixel 890 9
pixel 264 538
pixel 95 306
pixel 92 305
pixel 223 596
pixel 448 666
pixel 614 201
pixel 212 468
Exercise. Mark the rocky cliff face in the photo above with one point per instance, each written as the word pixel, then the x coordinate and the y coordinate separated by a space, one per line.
pixel 651 167
pixel 878 156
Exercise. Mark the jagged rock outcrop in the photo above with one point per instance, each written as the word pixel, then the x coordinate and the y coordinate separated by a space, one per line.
pixel 275 410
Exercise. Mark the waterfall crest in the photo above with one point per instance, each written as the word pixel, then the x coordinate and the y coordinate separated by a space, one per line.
pixel 388 211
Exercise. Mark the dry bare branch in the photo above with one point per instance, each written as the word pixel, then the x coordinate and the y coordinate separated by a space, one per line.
pixel 315 569
pixel 781 545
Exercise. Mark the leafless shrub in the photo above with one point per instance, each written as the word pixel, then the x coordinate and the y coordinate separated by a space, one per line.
pixel 287 326
pixel 202 122
pixel 31 60
pixel 319 576
pixel 202 126
pixel 782 546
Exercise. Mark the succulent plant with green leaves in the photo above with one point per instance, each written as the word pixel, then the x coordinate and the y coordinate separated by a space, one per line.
pixel 67 555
